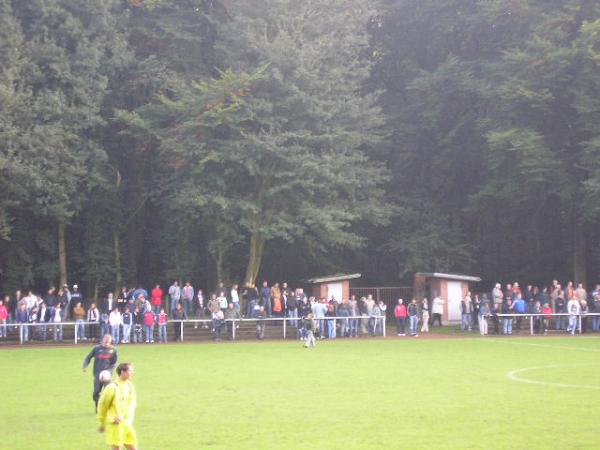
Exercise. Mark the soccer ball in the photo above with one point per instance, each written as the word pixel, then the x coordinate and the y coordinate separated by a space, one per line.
pixel 105 376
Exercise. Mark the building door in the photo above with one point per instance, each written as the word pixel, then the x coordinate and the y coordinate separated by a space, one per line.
pixel 334 290
pixel 454 299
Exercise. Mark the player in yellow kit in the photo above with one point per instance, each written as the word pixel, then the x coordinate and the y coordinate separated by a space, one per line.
pixel 116 409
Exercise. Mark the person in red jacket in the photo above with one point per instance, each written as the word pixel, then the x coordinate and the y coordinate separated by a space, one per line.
pixel 400 314
pixel 156 297
pixel 547 311
pixel 3 319
pixel 149 320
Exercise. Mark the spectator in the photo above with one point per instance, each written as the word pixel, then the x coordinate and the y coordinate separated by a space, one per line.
pixel 56 323
pixel 162 326
pixel 507 308
pixel 309 327
pixel 63 301
pixel 235 297
pixel 251 295
pixel 561 308
pixel 77 296
pixel 22 318
pixel 574 309
pixel 495 318
pixel 109 304
pixel 595 308
pixel 547 311
pixel 497 295
pixel 187 293
pixel 43 317
pixel 222 302
pixel 231 315
pixel 265 297
pixel 354 314
pixel 93 317
pixel 413 316
pixel 178 317
pixel 104 324
pixel 127 320
pixel 330 313
pixel 400 314
pixel 437 309
pixel 291 305
pixel 138 325
pixel 519 308
pixel 218 321
pixel 200 308
pixel 466 310
pixel 475 313
pixel 156 296
pixel 484 312
pixel 114 320
pixel 149 326
pixel 583 319
pixel 343 311
pixel 174 295
pixel 79 316
pixel 425 316
pixel 277 305
pixel 260 323
pixel 3 319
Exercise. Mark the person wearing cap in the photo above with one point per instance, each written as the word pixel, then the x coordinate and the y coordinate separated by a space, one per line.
pixel 105 357
pixel 76 297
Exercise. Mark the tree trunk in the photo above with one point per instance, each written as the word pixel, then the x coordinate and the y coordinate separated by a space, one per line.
pixel 219 261
pixel 118 274
pixel 257 245
pixel 579 259
pixel 62 254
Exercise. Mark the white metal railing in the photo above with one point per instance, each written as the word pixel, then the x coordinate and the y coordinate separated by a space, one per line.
pixel 27 331
pixel 378 323
pixel 531 317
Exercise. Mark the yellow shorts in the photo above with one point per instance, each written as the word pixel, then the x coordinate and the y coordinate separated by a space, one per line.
pixel 121 434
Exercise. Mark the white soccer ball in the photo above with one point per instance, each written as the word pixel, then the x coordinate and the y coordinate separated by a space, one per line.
pixel 105 376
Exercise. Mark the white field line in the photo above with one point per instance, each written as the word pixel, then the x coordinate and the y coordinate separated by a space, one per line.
pixel 514 376
pixel 559 347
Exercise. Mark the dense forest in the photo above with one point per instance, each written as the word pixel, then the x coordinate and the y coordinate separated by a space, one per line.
pixel 143 141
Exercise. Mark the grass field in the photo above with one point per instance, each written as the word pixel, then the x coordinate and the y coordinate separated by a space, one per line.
pixel 521 393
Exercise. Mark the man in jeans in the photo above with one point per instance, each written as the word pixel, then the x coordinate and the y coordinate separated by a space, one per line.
pixel 413 314
pixel 127 319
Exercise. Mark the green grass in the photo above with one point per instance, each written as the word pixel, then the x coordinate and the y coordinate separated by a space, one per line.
pixel 359 394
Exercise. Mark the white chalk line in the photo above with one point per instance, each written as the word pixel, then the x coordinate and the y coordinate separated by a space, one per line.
pixel 559 347
pixel 513 375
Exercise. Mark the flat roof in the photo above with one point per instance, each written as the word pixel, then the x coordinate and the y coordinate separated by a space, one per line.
pixel 449 276
pixel 336 277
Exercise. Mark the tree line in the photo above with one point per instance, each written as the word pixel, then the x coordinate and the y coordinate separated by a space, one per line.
pixel 152 140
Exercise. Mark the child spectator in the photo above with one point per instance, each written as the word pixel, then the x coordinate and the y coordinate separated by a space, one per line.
pixel 309 325
pixel 547 311
pixel 162 326
pixel 138 326
pixel 149 326
pixel 3 319
pixel 400 314
pixel 93 317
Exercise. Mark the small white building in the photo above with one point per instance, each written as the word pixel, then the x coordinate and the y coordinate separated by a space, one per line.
pixel 452 288
pixel 336 286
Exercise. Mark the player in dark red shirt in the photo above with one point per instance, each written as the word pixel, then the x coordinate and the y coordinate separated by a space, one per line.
pixel 105 358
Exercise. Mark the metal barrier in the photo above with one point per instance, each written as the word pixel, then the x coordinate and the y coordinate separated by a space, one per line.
pixel 27 331
pixel 532 317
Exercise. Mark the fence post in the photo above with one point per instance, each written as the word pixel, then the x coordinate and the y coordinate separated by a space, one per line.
pixel 531 325
pixel 75 334
pixel 181 331
pixel 383 334
pixel 21 333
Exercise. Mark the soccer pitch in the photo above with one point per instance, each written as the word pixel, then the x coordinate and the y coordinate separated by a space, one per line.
pixel 393 393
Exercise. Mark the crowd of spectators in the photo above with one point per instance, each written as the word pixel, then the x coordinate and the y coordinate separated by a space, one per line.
pixel 553 307
pixel 136 316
